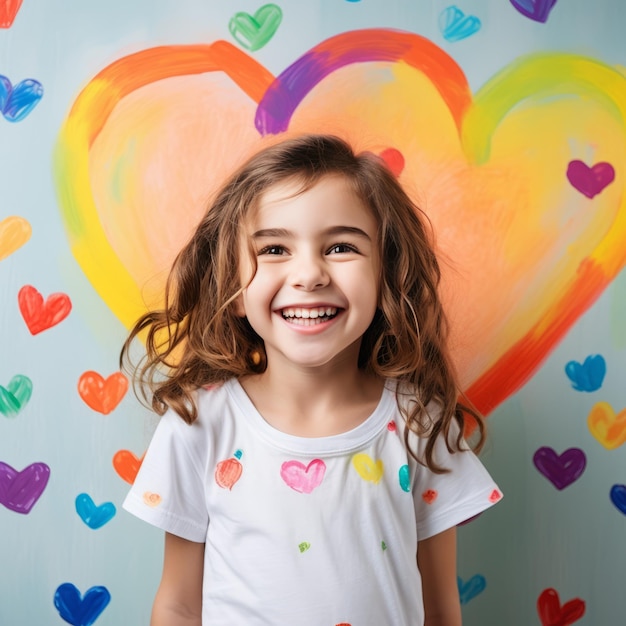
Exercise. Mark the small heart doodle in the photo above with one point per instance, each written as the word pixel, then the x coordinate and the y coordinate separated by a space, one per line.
pixel 536 10
pixel 456 25
pixel 552 613
pixel 94 516
pixel 15 396
pixel 561 470
pixel 100 394
pixel 590 181
pixel 254 31
pixel 17 101
pixel 14 233
pixel 40 315
pixel 618 497
pixel 589 375
pixel 469 589
pixel 126 465
pixel 8 11
pixel 19 491
pixel 77 610
pixel 607 426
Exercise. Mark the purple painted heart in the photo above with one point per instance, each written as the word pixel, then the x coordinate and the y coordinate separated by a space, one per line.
pixel 590 181
pixel 561 470
pixel 537 10
pixel 19 491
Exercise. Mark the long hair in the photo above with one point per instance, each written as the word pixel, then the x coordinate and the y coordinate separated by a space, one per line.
pixel 198 338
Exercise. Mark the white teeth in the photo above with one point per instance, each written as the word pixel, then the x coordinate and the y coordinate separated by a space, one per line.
pixel 300 312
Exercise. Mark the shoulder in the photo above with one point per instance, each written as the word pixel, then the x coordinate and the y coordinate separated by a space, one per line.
pixel 216 414
pixel 409 401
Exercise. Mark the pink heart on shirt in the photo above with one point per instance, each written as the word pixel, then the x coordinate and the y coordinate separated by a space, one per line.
pixel 303 479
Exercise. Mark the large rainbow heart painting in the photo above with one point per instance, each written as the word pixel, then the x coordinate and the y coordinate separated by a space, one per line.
pixel 523 180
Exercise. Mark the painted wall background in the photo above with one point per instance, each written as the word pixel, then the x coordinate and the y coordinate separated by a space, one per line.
pixel 505 118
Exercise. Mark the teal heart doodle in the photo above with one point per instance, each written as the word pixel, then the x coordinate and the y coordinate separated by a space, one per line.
pixel 94 516
pixel 254 31
pixel 15 396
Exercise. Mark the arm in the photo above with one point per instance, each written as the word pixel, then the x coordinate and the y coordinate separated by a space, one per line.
pixel 178 601
pixel 436 559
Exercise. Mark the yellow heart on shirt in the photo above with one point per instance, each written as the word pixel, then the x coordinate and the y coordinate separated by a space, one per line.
pixel 368 469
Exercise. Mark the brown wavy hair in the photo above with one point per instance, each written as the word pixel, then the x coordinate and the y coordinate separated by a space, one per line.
pixel 198 338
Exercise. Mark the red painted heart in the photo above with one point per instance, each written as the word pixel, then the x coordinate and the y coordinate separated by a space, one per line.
pixel 40 315
pixel 8 11
pixel 551 613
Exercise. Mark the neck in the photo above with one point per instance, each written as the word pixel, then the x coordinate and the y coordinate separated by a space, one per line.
pixel 314 402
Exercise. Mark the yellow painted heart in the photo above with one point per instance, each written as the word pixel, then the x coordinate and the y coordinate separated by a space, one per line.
pixel 606 426
pixel 14 233
pixel 368 469
pixel 501 173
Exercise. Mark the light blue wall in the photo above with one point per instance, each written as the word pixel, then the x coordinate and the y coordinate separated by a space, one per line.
pixel 573 540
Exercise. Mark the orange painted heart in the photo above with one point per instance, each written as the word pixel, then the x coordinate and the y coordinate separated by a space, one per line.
pixel 229 471
pixel 14 233
pixel 126 465
pixel 514 279
pixel 40 315
pixel 101 394
pixel 606 426
pixel 429 496
pixel 152 499
pixel 8 11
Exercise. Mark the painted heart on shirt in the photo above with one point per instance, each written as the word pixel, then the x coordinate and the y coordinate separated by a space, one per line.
pixel 301 478
pixel 368 469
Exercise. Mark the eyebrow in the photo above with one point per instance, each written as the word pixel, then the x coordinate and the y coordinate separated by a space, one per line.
pixel 334 230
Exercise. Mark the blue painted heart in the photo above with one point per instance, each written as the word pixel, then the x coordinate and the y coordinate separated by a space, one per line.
pixel 469 589
pixel 77 610
pixel 16 102
pixel 589 375
pixel 455 25
pixel 94 516
pixel 618 497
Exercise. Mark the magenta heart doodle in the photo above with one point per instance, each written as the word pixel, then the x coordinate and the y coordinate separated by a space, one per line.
pixel 561 470
pixel 536 10
pixel 590 181
pixel 19 491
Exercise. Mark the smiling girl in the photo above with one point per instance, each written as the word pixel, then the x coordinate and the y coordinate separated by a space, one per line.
pixel 309 468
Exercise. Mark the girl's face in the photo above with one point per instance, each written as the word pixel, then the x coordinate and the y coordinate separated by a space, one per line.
pixel 315 289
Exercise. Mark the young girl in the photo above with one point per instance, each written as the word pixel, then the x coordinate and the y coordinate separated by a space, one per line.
pixel 309 468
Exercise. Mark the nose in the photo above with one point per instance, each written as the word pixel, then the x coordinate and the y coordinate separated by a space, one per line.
pixel 309 272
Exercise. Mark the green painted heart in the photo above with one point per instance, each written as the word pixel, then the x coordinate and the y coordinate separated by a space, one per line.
pixel 254 31
pixel 15 396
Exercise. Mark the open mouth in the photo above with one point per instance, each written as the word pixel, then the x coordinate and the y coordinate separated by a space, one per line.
pixel 309 317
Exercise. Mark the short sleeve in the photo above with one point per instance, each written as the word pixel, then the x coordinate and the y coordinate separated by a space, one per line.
pixel 445 500
pixel 168 491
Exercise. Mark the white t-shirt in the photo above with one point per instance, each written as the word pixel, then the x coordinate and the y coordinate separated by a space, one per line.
pixel 303 531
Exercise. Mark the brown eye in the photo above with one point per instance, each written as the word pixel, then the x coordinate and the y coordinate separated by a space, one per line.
pixel 272 250
pixel 341 248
